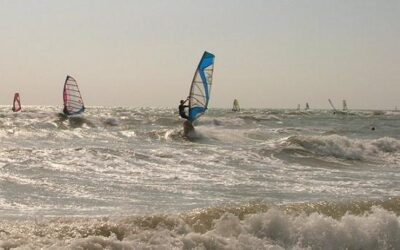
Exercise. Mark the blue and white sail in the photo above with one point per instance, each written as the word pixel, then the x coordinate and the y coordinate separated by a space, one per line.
pixel 200 89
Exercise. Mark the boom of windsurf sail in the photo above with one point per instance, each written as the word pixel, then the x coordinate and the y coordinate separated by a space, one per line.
pixel 199 94
pixel 73 103
pixel 236 106
pixel 16 103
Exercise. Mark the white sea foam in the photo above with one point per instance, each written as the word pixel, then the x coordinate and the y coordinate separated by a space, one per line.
pixel 274 229
pixel 52 166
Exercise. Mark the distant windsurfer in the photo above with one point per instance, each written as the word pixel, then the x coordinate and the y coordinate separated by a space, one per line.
pixel 182 108
pixel 16 103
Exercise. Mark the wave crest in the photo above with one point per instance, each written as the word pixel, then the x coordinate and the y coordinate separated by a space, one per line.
pixel 276 228
pixel 346 148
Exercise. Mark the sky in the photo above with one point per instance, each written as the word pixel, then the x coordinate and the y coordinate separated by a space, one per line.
pixel 268 53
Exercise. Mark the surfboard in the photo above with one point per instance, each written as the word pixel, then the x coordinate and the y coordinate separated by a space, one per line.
pixel 16 103
pixel 73 102
pixel 187 128
pixel 200 88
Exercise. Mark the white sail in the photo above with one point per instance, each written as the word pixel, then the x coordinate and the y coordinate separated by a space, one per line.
pixel 236 106
pixel 333 107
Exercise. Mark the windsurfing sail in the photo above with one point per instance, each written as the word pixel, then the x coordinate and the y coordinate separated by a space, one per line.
pixel 307 106
pixel 200 89
pixel 330 102
pixel 236 106
pixel 73 103
pixel 16 103
pixel 345 106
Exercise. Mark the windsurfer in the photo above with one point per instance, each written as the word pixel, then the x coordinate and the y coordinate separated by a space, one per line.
pixel 182 107
pixel 16 103
pixel 65 110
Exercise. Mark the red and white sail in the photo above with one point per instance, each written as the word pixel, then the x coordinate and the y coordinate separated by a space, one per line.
pixel 73 102
pixel 16 103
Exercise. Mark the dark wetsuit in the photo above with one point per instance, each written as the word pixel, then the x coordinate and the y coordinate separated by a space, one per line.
pixel 182 111
pixel 65 110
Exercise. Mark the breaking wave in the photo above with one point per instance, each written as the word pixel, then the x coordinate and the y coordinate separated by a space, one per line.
pixel 362 225
pixel 346 148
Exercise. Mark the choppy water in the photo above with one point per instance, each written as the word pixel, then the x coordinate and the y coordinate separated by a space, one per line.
pixel 126 178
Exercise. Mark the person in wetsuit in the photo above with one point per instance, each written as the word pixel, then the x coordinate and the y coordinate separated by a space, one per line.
pixel 65 111
pixel 182 107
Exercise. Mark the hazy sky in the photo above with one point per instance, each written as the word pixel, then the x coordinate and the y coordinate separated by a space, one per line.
pixel 269 53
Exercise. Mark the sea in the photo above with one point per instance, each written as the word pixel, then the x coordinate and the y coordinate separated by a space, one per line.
pixel 128 178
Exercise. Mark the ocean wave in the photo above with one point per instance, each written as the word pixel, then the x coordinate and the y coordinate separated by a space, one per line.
pixel 346 148
pixel 251 226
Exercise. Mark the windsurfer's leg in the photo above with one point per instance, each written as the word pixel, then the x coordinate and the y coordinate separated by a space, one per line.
pixel 184 116
pixel 187 128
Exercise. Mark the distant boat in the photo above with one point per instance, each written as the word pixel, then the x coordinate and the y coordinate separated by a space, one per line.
pixel 307 106
pixel 236 106
pixel 16 103
pixel 200 88
pixel 73 102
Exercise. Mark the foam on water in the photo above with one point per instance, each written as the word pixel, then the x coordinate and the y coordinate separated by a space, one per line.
pixel 253 226
pixel 257 179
